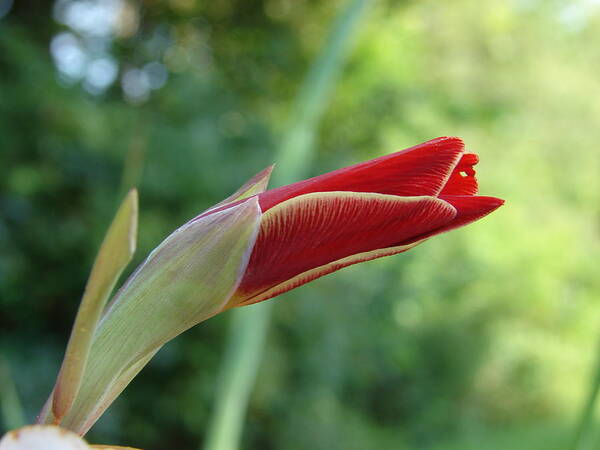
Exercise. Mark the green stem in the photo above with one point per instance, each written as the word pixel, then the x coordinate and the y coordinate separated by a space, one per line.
pixel 581 439
pixel 250 325
pixel 248 333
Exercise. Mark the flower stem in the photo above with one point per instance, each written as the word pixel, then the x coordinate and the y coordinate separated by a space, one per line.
pixel 250 324
pixel 248 332
pixel 582 436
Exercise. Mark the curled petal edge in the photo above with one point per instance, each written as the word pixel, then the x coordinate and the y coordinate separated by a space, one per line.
pixel 294 238
pixel 326 269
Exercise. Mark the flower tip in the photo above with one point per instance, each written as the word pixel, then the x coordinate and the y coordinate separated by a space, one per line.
pixel 496 203
pixel 491 202
pixel 469 208
pixel 266 172
pixel 448 141
pixel 473 205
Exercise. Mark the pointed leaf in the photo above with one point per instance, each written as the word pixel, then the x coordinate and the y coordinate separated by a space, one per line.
pixel 255 185
pixel 185 280
pixel 114 255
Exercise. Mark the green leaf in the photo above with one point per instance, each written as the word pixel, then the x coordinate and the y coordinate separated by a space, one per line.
pixel 115 253
pixel 185 280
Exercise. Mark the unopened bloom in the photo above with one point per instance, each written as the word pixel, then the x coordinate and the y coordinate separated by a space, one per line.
pixel 362 212
pixel 257 244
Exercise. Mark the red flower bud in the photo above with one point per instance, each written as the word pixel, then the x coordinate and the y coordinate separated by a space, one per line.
pixel 362 212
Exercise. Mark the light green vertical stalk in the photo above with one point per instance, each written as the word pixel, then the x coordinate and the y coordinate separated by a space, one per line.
pixel 249 325
pixel 582 438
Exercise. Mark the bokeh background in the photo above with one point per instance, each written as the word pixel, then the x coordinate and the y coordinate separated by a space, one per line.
pixel 485 337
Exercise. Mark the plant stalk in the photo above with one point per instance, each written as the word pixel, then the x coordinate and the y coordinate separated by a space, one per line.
pixel 583 432
pixel 249 325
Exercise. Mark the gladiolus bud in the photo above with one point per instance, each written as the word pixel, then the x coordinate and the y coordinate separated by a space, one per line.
pixel 258 244
pixel 188 278
pixel 362 212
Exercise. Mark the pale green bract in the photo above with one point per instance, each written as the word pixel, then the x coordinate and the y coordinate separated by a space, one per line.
pixel 187 279
pixel 114 255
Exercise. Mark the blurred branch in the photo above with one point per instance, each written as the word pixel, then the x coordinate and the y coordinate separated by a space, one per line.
pixel 10 404
pixel 249 325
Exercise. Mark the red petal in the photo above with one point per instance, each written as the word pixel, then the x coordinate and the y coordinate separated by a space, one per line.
pixel 469 209
pixel 314 230
pixel 462 181
pixel 419 170
pixel 318 272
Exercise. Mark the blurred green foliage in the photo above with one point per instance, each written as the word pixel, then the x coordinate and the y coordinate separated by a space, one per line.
pixel 482 338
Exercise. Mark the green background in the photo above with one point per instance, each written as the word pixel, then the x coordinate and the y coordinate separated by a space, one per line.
pixel 482 338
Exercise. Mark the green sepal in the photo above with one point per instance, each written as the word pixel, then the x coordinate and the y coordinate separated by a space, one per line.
pixel 187 279
pixel 255 185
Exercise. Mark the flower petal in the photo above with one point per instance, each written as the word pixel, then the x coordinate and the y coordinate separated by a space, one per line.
pixel 318 272
pixel 469 209
pixel 419 170
pixel 462 181
pixel 315 230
